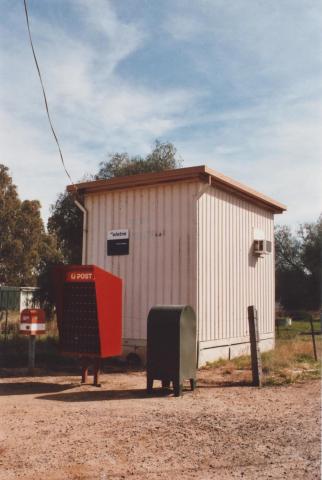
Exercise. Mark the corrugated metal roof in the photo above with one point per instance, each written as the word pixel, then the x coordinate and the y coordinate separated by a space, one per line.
pixel 202 173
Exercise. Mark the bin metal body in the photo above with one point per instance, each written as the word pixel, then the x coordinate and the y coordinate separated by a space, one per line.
pixel 171 346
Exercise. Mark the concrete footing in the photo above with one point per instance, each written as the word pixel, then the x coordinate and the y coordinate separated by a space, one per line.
pixel 207 354
pixel 226 352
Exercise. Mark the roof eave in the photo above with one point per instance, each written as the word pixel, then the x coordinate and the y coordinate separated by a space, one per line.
pixel 244 191
pixel 201 173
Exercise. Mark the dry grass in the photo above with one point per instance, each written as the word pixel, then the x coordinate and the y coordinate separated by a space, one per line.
pixel 11 324
pixel 292 360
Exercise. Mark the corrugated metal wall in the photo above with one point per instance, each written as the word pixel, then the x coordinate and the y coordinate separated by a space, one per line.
pixel 162 265
pixel 189 243
pixel 230 277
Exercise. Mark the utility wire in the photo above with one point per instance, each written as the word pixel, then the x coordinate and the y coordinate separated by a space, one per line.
pixel 45 98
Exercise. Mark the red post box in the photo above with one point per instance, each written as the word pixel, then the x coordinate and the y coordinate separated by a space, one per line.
pixel 32 321
pixel 89 312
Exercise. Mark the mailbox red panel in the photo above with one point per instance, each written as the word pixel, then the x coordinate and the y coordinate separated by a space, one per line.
pixel 89 310
pixel 32 321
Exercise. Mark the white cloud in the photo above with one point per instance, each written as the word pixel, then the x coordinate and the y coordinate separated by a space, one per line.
pixel 276 149
pixel 249 43
pixel 89 103
pixel 119 39
pixel 270 139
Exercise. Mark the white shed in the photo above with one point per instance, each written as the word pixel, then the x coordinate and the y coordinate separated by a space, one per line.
pixel 186 236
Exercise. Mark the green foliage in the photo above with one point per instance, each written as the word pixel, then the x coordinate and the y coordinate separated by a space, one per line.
pixel 297 328
pixel 287 250
pixel 9 211
pixel 162 157
pixel 24 244
pixel 298 266
pixel 66 224
pixel 50 256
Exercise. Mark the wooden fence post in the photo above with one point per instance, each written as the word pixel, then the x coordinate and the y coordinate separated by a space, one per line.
pixel 31 353
pixel 313 338
pixel 254 346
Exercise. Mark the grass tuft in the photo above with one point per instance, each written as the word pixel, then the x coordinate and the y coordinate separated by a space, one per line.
pixel 291 361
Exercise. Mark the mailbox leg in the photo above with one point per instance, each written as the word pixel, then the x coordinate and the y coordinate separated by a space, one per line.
pixel 177 388
pixel 84 364
pixel 192 383
pixel 165 383
pixel 149 384
pixel 31 353
pixel 97 368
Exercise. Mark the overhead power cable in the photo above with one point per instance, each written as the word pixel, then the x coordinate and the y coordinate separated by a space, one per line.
pixel 45 97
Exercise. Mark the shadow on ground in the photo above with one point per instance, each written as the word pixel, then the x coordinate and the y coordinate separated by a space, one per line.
pixel 99 395
pixel 59 371
pixel 32 388
pixel 53 389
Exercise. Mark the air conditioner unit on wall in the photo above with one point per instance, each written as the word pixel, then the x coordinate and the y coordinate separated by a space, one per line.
pixel 262 247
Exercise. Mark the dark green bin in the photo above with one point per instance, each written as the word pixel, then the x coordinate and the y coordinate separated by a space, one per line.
pixel 171 346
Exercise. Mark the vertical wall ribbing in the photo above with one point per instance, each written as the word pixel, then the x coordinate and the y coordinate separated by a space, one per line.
pixel 230 276
pixel 161 266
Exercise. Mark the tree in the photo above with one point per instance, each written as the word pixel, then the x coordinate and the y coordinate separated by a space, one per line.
pixel 298 266
pixel 66 224
pixel 49 256
pixel 66 221
pixel 22 236
pixel 9 210
pixel 162 157
pixel 311 238
pixel 29 236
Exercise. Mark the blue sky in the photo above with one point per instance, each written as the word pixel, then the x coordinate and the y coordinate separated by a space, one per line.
pixel 234 84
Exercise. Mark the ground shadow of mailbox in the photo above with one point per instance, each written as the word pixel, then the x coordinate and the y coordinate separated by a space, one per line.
pixel 171 346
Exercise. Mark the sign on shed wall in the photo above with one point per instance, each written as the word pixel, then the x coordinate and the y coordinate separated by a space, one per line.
pixel 118 242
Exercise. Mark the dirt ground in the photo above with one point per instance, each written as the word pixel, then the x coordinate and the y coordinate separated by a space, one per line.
pixel 53 428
